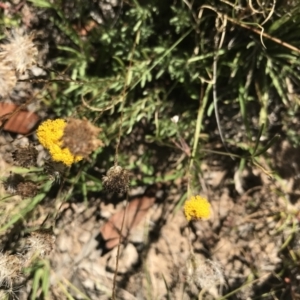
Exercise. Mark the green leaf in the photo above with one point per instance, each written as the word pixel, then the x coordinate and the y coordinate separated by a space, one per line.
pixel 42 3
pixel 258 139
pixel 269 145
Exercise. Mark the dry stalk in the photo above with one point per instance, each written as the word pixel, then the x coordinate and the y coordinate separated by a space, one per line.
pixel 116 158
pixel 113 296
pixel 243 25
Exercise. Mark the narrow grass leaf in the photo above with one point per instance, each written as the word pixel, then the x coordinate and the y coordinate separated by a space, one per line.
pixel 262 127
pixel 269 145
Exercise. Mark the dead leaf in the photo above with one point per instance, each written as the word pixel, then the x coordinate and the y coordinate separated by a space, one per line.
pixel 135 213
pixel 21 121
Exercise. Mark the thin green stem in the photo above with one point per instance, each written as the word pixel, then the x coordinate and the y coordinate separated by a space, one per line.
pixel 163 56
pixel 202 106
pixel 124 94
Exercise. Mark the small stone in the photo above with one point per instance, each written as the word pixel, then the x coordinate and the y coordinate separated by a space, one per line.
pixel 128 258
pixel 84 237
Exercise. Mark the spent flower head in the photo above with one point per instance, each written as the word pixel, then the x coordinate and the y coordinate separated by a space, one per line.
pixel 11 183
pixel 205 273
pixel 16 184
pixel 10 269
pixel 49 134
pixel 116 180
pixel 197 207
pixel 80 137
pixel 25 156
pixel 41 242
pixel 19 52
pixel 27 189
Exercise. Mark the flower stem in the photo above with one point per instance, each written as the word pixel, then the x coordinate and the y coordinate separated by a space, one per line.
pixel 201 109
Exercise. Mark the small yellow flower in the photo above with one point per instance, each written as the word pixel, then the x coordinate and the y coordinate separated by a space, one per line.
pixel 49 135
pixel 197 207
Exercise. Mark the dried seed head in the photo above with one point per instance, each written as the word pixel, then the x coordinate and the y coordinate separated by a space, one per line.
pixel 8 79
pixel 10 269
pixel 116 180
pixel 204 273
pixel 25 156
pixel 80 137
pixel 27 189
pixel 12 182
pixel 41 242
pixel 15 184
pixel 20 52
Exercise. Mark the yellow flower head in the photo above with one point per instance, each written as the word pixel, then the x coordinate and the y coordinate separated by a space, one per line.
pixel 197 207
pixel 49 135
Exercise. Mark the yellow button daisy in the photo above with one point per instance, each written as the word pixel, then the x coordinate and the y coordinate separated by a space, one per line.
pixel 49 134
pixel 197 207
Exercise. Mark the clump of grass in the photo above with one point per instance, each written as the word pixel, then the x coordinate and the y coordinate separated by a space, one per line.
pixel 38 245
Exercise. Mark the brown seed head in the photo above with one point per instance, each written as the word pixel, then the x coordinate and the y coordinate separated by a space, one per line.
pixel 16 184
pixel 116 180
pixel 25 156
pixel 80 137
pixel 41 242
pixel 27 189
pixel 12 182
pixel 204 273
